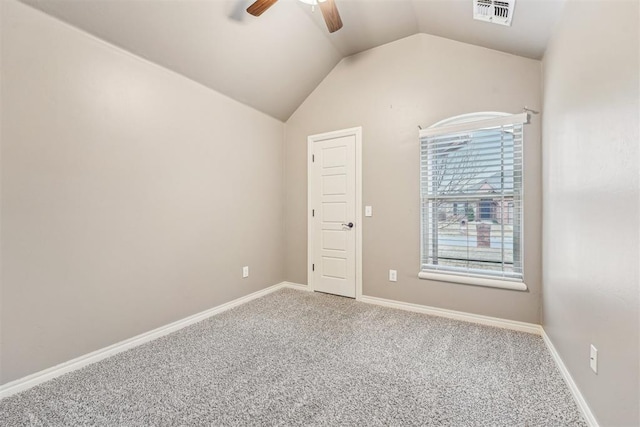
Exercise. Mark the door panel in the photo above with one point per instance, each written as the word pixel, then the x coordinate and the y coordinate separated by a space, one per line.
pixel 334 240
pixel 334 184
pixel 333 193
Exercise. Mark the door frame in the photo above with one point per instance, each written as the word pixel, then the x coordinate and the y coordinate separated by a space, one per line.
pixel 311 140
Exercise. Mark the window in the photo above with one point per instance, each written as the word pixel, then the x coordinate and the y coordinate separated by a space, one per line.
pixel 471 200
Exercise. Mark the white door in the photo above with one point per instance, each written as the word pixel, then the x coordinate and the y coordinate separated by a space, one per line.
pixel 332 200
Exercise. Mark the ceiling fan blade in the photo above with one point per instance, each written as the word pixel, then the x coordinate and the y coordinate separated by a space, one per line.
pixel 331 15
pixel 260 6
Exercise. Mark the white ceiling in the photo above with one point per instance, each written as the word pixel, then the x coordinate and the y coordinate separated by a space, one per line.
pixel 274 62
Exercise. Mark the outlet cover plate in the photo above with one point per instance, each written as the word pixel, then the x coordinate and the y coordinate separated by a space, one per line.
pixel 593 359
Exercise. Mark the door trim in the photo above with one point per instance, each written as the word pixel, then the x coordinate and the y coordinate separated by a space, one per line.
pixel 357 133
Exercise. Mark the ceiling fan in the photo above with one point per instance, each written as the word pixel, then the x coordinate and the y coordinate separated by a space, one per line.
pixel 328 8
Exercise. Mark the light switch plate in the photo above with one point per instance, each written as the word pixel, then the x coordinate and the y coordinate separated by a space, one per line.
pixel 368 211
pixel 245 271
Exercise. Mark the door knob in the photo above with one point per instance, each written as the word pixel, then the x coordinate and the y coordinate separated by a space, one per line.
pixel 350 225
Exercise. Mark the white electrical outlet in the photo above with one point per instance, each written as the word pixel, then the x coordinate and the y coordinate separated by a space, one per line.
pixel 593 359
pixel 245 271
pixel 393 276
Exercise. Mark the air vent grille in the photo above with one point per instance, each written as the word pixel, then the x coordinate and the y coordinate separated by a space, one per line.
pixel 495 11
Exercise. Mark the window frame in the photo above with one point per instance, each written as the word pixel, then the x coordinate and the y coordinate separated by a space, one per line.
pixel 457 124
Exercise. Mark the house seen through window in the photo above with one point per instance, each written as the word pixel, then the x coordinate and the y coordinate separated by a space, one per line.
pixel 471 196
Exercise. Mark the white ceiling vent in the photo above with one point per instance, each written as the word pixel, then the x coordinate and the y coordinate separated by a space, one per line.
pixel 496 11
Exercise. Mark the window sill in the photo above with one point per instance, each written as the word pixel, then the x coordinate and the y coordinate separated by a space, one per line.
pixel 474 281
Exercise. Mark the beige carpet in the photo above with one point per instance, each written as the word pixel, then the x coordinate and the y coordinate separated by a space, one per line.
pixel 299 358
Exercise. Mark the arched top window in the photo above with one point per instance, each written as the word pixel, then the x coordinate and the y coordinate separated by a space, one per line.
pixel 471 199
pixel 468 118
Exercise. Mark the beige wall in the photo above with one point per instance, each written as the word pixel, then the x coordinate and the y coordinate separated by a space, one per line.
pixel 131 196
pixel 389 91
pixel 591 215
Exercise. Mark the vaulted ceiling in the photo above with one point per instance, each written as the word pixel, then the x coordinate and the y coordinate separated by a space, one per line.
pixel 274 62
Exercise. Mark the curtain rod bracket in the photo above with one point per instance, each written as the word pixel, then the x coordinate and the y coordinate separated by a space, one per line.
pixel 529 110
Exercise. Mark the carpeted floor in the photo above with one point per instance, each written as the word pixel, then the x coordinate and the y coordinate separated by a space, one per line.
pixel 299 358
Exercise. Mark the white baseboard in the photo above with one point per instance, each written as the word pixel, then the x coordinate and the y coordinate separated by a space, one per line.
pixel 297 286
pixel 32 380
pixel 530 328
pixel 575 391
pixel 93 357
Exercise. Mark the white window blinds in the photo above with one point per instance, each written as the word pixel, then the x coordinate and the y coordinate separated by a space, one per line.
pixel 471 196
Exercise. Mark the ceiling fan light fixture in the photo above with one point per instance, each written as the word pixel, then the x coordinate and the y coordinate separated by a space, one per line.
pixel 328 7
pixel 312 2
